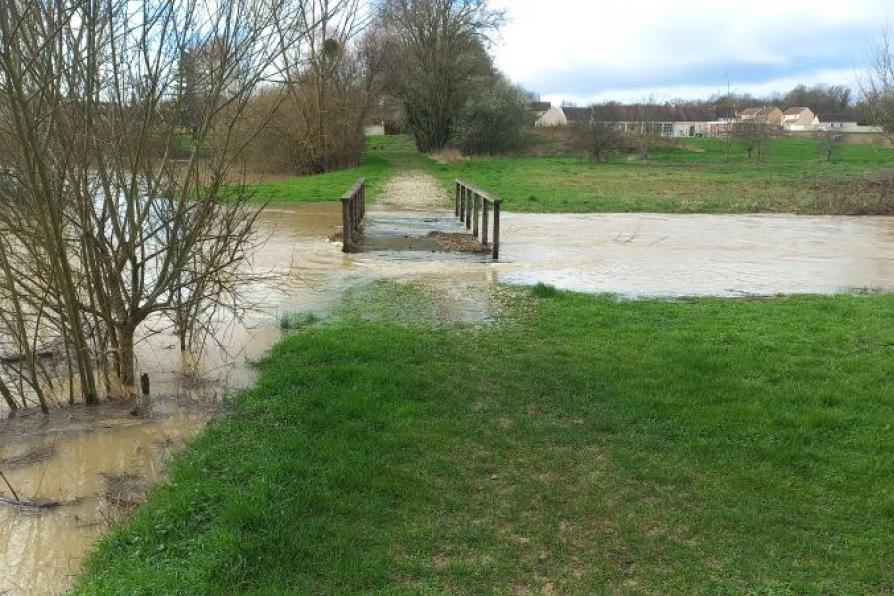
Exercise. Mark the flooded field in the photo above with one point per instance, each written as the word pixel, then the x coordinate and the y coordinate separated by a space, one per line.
pixel 699 255
pixel 86 468
pixel 96 463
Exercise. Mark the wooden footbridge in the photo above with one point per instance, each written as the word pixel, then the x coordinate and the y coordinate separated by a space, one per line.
pixel 475 208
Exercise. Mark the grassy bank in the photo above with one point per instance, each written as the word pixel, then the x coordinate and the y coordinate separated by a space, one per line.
pixel 700 176
pixel 694 176
pixel 581 444
pixel 384 156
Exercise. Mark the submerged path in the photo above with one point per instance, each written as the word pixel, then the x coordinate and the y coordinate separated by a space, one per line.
pixel 412 206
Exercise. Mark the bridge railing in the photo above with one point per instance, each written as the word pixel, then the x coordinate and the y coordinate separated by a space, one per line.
pixel 474 207
pixel 353 208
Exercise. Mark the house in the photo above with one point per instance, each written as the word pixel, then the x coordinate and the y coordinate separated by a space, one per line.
pixel 724 124
pixel 554 116
pixel 667 121
pixel 799 120
pixel 673 121
pixel 799 117
pixel 766 115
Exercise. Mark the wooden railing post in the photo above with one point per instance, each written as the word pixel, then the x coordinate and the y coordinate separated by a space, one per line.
pixel 497 229
pixel 456 206
pixel 469 210
pixel 363 200
pixel 484 222
pixel 346 226
pixel 475 215
pixel 462 203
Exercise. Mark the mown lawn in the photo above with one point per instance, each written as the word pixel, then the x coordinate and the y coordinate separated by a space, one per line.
pixel 581 444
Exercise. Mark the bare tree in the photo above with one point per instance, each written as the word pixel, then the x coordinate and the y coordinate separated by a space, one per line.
pixel 597 134
pixel 100 228
pixel 878 86
pixel 332 84
pixel 755 136
pixel 441 50
pixel 646 119
pixel 829 141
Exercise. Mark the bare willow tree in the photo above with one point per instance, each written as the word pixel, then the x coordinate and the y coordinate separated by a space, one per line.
pixel 878 86
pixel 441 48
pixel 100 227
pixel 829 141
pixel 646 122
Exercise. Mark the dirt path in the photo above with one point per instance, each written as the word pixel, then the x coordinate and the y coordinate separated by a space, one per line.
pixel 414 190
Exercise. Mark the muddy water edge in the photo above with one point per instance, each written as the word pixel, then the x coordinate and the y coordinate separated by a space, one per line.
pixel 85 468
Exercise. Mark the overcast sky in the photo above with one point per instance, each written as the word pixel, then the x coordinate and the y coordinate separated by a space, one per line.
pixel 586 50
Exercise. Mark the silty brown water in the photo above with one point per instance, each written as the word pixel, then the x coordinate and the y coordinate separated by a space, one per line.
pixel 97 463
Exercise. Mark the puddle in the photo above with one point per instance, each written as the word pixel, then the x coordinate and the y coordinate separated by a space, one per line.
pixel 629 254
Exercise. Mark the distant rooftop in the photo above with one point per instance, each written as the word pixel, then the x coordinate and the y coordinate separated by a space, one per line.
pixel 539 106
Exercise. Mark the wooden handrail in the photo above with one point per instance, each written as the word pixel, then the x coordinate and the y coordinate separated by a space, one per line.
pixel 353 209
pixel 473 206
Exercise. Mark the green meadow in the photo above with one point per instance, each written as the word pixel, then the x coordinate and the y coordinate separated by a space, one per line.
pixel 690 176
pixel 579 444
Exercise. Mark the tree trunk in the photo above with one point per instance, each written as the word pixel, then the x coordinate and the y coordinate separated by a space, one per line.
pixel 127 374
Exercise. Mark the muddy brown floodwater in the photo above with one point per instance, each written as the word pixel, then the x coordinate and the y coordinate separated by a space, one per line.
pixel 99 462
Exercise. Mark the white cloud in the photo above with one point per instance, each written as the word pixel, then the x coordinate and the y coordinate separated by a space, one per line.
pixel 686 45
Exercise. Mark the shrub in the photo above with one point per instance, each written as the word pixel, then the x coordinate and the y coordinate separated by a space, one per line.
pixel 493 119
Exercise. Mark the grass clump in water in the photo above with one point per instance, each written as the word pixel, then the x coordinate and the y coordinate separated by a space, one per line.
pixel 293 321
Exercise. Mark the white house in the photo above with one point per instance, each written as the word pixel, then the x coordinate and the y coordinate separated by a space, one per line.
pixel 554 116
pixel 799 119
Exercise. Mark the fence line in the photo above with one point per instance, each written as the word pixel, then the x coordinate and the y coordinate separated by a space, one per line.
pixel 473 206
pixel 353 208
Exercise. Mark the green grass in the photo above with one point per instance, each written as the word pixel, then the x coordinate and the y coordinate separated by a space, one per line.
pixel 384 155
pixel 698 177
pixel 583 444
pixel 695 176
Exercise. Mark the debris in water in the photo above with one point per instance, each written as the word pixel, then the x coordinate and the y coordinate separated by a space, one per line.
pixel 36 503
pixel 28 458
pixel 459 242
